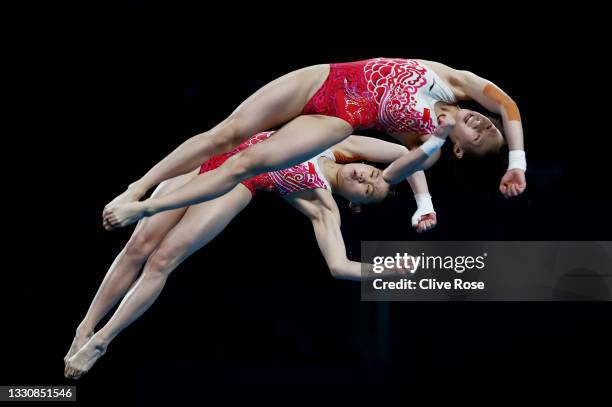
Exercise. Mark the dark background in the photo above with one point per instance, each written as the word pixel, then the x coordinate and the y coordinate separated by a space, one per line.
pixel 104 93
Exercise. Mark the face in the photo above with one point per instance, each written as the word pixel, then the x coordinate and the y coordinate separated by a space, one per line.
pixel 475 134
pixel 362 184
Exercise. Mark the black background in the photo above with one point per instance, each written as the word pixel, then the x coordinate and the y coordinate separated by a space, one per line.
pixel 104 93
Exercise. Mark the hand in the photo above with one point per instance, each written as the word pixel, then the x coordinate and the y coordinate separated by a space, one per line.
pixel 445 128
pixel 423 222
pixel 400 270
pixel 513 183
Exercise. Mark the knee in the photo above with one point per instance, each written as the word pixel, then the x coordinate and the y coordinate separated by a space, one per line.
pixel 140 246
pixel 230 133
pixel 245 165
pixel 161 263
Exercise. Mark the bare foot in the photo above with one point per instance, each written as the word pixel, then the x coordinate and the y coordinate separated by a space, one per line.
pixel 129 195
pixel 118 216
pixel 78 341
pixel 84 359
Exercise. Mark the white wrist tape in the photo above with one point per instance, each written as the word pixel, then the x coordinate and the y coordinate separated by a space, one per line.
pixel 424 206
pixel 516 159
pixel 432 145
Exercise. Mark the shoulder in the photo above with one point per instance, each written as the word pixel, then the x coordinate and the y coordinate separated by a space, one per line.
pixel 455 78
pixel 314 203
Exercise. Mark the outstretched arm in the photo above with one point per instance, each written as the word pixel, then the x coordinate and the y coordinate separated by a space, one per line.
pixel 496 100
pixel 329 237
pixel 323 212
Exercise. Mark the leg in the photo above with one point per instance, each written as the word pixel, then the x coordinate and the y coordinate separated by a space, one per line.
pixel 122 273
pixel 297 141
pixel 199 225
pixel 276 103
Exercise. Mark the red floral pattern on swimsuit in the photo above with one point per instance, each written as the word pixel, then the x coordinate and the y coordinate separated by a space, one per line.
pixel 297 178
pixel 344 94
pixel 380 93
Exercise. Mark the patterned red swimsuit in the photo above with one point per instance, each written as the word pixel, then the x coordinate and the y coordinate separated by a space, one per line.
pixel 391 95
pixel 293 179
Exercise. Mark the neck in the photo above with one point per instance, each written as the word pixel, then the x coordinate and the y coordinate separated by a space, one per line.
pixel 331 170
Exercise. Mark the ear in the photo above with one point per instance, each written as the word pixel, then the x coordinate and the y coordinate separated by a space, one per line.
pixel 355 207
pixel 458 151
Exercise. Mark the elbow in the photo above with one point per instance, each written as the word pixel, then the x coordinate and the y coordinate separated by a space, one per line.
pixel 401 151
pixel 512 110
pixel 337 270
pixel 392 177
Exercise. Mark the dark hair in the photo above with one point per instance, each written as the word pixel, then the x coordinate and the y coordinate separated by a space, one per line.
pixel 478 174
pixel 383 203
pixel 496 120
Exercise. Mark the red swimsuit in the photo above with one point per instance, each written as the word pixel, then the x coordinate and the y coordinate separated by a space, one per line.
pixel 306 175
pixel 391 95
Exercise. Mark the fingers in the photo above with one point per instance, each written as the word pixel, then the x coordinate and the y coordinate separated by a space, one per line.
pixel 512 184
pixel 426 224
pixel 422 226
pixel 443 130
pixel 511 190
pixel 506 190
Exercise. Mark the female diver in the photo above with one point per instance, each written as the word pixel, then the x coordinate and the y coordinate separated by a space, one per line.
pixel 162 242
pixel 410 99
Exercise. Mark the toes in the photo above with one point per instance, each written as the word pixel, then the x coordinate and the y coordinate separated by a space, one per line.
pixel 78 374
pixel 68 373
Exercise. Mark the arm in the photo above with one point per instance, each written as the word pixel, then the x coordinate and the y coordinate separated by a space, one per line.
pixel 322 211
pixel 496 100
pixel 329 237
pixel 355 148
pixel 405 166
pixel 417 159
pixel 424 218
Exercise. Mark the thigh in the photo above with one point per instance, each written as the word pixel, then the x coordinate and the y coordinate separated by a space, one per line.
pixel 280 100
pixel 297 141
pixel 201 223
